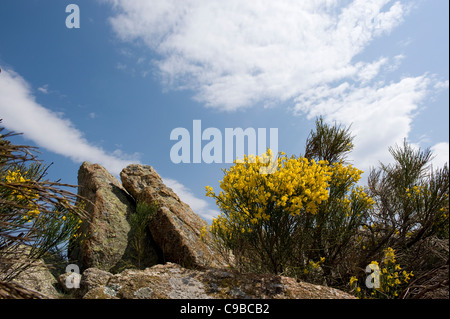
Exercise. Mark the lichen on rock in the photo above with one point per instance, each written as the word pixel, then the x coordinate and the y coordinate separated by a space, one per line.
pixel 171 281
pixel 175 228
pixel 105 242
pixel 182 261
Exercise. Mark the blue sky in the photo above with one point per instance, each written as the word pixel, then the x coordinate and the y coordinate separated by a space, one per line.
pixel 113 90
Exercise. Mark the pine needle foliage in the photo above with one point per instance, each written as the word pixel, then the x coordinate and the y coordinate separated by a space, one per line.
pixel 37 216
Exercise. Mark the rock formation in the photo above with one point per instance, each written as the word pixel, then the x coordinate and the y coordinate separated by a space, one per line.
pixel 105 242
pixel 36 281
pixel 182 262
pixel 171 281
pixel 34 275
pixel 175 228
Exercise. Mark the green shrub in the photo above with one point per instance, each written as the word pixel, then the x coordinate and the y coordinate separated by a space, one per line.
pixel 300 219
pixel 139 222
pixel 37 216
pixel 310 218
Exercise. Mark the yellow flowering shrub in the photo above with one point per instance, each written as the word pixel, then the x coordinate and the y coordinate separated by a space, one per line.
pixel 248 197
pixel 392 279
pixel 331 232
pixel 313 268
pixel 23 193
pixel 37 216
pixel 411 210
pixel 259 211
pixel 419 200
pixel 293 220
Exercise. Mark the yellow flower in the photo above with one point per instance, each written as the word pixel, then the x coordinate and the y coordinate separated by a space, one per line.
pixel 389 255
pixel 250 201
pixel 203 232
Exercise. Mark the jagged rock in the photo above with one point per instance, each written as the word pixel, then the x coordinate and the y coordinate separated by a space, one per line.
pixel 40 279
pixel 29 274
pixel 177 232
pixel 37 279
pixel 90 279
pixel 171 281
pixel 175 227
pixel 72 279
pixel 107 245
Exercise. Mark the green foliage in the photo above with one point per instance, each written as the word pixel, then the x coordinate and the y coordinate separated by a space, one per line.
pixel 387 277
pixel 329 234
pixel 412 202
pixel 139 222
pixel 298 220
pixel 259 220
pixel 328 143
pixel 37 216
pixel 310 219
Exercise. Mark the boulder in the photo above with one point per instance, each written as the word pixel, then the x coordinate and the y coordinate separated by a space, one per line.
pixel 28 273
pixel 171 281
pixel 90 279
pixel 36 279
pixel 40 279
pixel 175 228
pixel 105 241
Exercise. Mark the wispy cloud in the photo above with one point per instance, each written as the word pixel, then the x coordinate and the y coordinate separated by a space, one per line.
pixel 441 85
pixel 43 89
pixel 380 115
pixel 441 152
pixel 235 55
pixel 121 66
pixel 49 130
pixel 20 112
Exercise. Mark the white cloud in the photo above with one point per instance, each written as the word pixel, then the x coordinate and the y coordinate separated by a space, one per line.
pixel 234 54
pixel 21 113
pixel 396 62
pixel 441 85
pixel 198 205
pixel 368 71
pixel 441 154
pixel 43 89
pixel 380 115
